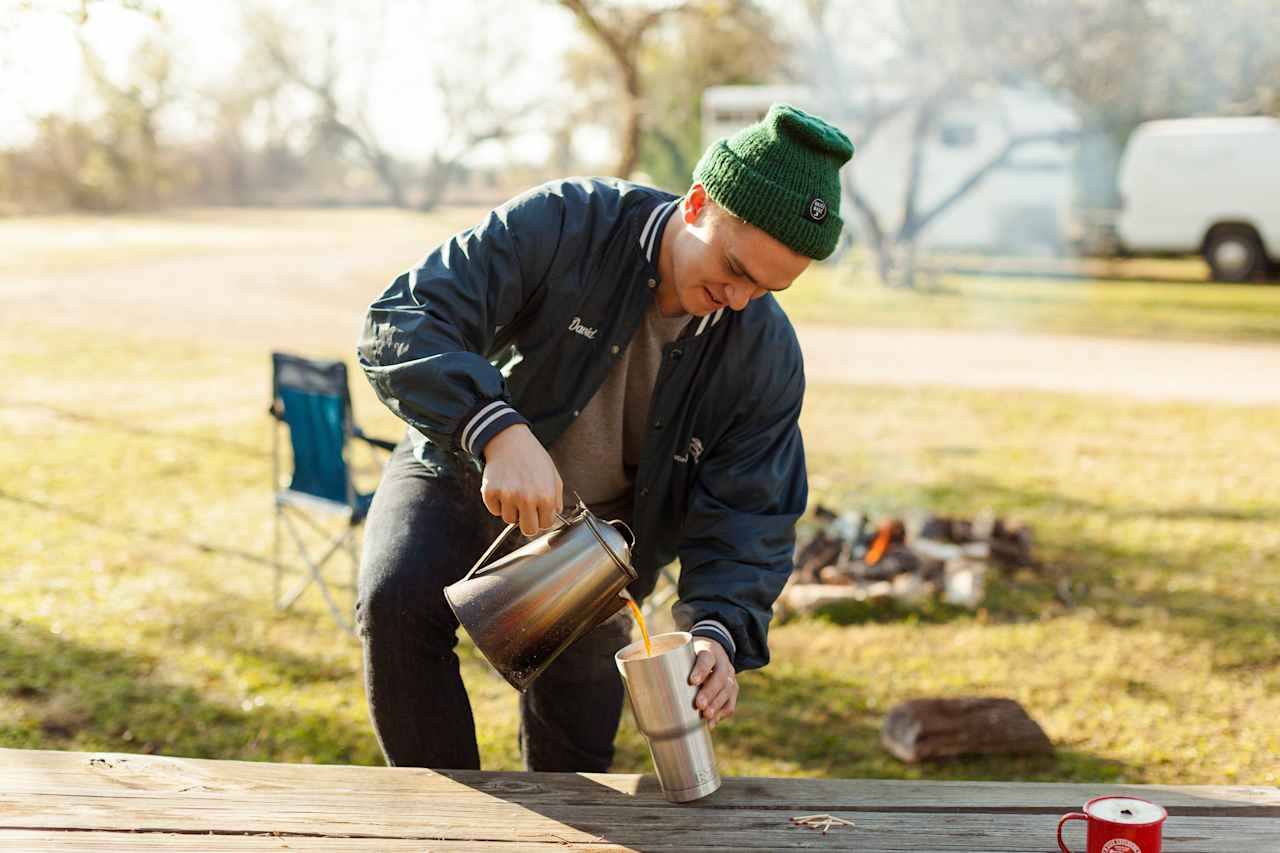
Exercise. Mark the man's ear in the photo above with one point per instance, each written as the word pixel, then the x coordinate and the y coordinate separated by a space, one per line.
pixel 694 202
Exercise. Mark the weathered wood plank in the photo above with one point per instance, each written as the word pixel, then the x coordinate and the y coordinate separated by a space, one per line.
pixel 644 828
pixel 37 772
pixel 406 817
pixel 873 833
pixel 123 842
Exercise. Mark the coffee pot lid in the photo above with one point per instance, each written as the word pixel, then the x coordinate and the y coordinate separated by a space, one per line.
pixel 1128 810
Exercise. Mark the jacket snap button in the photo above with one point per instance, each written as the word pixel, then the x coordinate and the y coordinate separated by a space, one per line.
pixel 653 283
pixel 657 424
pixel 644 492
pixel 615 349
pixel 576 413
pixel 676 353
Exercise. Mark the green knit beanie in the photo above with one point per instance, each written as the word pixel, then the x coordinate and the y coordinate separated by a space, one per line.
pixel 782 175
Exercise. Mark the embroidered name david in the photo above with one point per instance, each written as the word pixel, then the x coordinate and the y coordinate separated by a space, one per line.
pixel 585 331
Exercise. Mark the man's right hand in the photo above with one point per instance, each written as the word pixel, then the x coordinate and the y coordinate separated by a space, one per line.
pixel 520 481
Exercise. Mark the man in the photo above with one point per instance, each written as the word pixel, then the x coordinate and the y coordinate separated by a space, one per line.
pixel 601 338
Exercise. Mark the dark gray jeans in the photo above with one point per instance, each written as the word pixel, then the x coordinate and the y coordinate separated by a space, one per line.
pixel 426 528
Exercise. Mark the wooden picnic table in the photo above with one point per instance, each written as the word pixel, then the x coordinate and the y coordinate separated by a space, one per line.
pixel 109 801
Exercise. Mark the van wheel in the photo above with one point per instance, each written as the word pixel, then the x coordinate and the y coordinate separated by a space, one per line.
pixel 1234 253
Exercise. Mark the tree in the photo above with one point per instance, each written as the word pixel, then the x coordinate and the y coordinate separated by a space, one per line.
pixel 662 57
pixel 620 32
pixel 111 155
pixel 732 44
pixel 339 122
pixel 336 84
pixel 79 11
pixel 941 54
pixel 113 160
pixel 252 148
pixel 1165 59
pixel 1121 62
pixel 128 133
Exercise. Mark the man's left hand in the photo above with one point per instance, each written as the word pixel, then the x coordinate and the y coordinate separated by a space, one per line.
pixel 718 696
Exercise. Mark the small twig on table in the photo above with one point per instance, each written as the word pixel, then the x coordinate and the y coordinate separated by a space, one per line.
pixel 823 822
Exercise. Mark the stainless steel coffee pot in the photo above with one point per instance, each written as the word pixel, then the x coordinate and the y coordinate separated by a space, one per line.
pixel 524 609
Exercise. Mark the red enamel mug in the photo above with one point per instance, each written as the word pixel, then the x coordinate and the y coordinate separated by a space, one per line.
pixel 1118 825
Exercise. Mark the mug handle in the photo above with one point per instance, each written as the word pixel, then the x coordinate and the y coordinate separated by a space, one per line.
pixel 1062 845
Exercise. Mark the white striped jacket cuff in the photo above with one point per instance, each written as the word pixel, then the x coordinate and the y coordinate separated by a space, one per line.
pixel 712 629
pixel 485 424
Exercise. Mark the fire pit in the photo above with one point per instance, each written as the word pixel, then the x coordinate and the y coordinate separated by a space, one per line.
pixel 914 559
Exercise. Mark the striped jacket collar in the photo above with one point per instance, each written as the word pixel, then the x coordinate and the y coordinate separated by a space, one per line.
pixel 650 240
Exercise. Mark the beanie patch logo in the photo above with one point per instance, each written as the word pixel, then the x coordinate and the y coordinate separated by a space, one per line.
pixel 816 209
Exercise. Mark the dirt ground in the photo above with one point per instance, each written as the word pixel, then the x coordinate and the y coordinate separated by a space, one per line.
pixel 300 280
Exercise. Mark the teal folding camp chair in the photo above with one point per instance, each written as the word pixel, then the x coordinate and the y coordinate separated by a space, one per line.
pixel 312 400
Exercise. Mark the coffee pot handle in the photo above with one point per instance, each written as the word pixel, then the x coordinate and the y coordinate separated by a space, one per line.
pixel 617 522
pixel 502 537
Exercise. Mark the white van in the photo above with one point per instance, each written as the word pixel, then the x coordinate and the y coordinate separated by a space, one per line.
pixel 1206 186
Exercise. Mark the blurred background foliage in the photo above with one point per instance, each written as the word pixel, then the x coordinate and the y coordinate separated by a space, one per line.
pixel 294 108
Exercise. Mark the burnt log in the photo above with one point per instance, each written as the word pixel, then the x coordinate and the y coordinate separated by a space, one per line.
pixel 1011 548
pixel 926 729
pixel 822 550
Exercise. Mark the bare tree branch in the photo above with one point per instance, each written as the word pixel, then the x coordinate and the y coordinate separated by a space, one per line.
pixel 622 32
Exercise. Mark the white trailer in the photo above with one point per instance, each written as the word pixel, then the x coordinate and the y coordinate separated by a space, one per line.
pixel 1023 205
pixel 1207 186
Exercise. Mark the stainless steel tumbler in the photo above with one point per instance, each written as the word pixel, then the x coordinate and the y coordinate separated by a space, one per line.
pixel 662 701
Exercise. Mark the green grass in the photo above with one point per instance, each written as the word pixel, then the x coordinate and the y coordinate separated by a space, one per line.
pixel 1129 307
pixel 1163 518
pixel 134 592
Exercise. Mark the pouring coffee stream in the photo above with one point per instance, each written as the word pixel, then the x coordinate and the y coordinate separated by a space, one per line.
pixel 639 617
